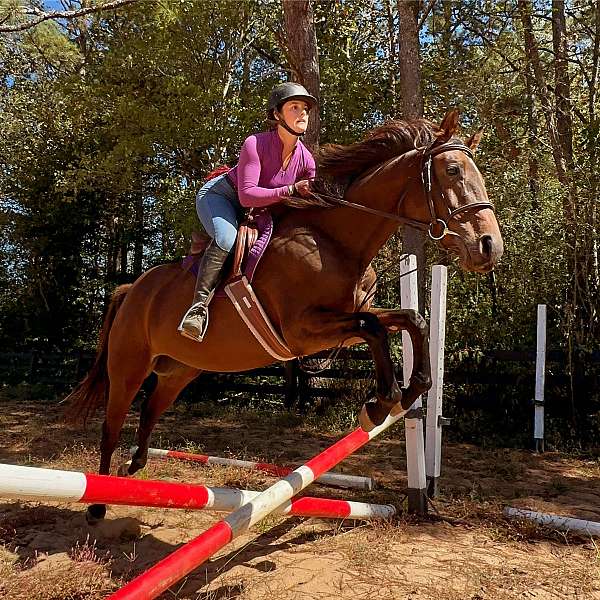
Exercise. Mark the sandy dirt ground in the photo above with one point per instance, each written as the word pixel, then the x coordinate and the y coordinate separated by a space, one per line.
pixel 48 551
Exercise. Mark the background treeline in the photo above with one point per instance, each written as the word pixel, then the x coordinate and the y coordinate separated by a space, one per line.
pixel 109 122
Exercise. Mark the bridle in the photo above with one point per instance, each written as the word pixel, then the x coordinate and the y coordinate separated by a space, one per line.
pixel 427 177
pixel 427 174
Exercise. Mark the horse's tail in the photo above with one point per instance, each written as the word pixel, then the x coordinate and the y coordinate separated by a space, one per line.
pixel 92 392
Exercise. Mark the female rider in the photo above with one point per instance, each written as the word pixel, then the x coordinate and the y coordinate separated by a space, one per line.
pixel 273 165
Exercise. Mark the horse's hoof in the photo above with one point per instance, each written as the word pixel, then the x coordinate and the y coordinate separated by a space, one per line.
pixel 398 410
pixel 396 392
pixel 368 418
pixel 95 513
pixel 123 470
pixel 365 421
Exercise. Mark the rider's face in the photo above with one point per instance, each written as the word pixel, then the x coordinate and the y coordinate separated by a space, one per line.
pixel 295 114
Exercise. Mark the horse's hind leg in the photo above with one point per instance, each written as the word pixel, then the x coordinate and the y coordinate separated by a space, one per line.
pixel 122 391
pixel 170 383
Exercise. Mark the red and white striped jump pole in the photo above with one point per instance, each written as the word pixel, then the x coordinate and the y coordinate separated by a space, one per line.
pixel 337 479
pixel 190 556
pixel 35 484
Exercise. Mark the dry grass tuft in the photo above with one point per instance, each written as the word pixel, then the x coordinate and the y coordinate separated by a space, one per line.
pixel 74 581
pixel 87 552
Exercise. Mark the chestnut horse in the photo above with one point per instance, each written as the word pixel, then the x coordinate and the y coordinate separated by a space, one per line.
pixel 311 282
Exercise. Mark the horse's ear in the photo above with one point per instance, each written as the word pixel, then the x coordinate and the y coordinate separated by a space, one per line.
pixel 474 140
pixel 449 125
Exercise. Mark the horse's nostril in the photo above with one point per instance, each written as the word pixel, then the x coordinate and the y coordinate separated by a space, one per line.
pixel 487 245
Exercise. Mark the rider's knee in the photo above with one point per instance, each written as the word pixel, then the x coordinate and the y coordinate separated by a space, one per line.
pixel 225 239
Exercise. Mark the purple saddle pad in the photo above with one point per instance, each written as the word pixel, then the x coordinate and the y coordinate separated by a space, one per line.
pixel 264 223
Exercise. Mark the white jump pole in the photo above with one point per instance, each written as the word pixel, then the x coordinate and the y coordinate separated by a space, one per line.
pixel 415 442
pixel 540 374
pixel 437 335
pixel 555 521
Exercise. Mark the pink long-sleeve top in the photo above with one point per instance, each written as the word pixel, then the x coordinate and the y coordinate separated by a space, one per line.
pixel 259 176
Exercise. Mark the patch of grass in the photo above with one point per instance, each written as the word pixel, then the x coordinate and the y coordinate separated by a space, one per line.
pixel 556 487
pixel 87 552
pixel 370 542
pixel 235 477
pixel 24 392
pixel 76 581
pixel 268 523
pixel 507 467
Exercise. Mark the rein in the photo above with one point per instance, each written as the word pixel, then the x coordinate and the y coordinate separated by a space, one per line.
pixel 427 175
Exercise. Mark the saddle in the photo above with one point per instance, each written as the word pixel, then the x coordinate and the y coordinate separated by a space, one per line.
pixel 252 239
pixel 253 236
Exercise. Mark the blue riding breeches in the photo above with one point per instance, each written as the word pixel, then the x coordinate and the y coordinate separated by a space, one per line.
pixel 219 210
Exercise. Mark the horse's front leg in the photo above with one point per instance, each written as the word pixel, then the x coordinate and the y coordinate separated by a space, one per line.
pixel 332 329
pixel 416 326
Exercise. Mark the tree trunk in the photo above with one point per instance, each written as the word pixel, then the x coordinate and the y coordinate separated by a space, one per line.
pixel 595 171
pixel 112 254
pixel 411 95
pixel 303 55
pixel 409 61
pixel 533 58
pixel 123 254
pixel 138 236
pixel 392 51
pixel 562 84
pixel 532 133
pixel 300 46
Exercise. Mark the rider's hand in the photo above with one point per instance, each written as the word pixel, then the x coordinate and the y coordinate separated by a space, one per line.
pixel 303 188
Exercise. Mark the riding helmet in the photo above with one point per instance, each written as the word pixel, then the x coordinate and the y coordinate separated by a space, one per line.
pixel 288 91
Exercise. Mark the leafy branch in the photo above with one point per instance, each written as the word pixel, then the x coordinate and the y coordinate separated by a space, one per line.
pixel 39 16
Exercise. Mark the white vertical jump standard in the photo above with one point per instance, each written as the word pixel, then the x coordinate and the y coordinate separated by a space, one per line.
pixel 193 554
pixel 413 421
pixel 540 373
pixel 435 420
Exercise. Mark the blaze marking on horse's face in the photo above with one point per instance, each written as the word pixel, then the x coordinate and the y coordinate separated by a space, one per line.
pixel 458 182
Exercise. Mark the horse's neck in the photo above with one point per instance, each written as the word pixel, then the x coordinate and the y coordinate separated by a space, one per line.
pixel 359 233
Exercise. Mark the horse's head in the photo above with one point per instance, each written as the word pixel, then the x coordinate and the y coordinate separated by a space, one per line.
pixel 446 196
pixel 456 201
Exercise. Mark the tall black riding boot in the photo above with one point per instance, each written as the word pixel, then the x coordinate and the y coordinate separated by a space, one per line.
pixel 195 320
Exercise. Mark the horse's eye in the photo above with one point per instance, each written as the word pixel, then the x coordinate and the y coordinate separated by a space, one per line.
pixel 453 170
